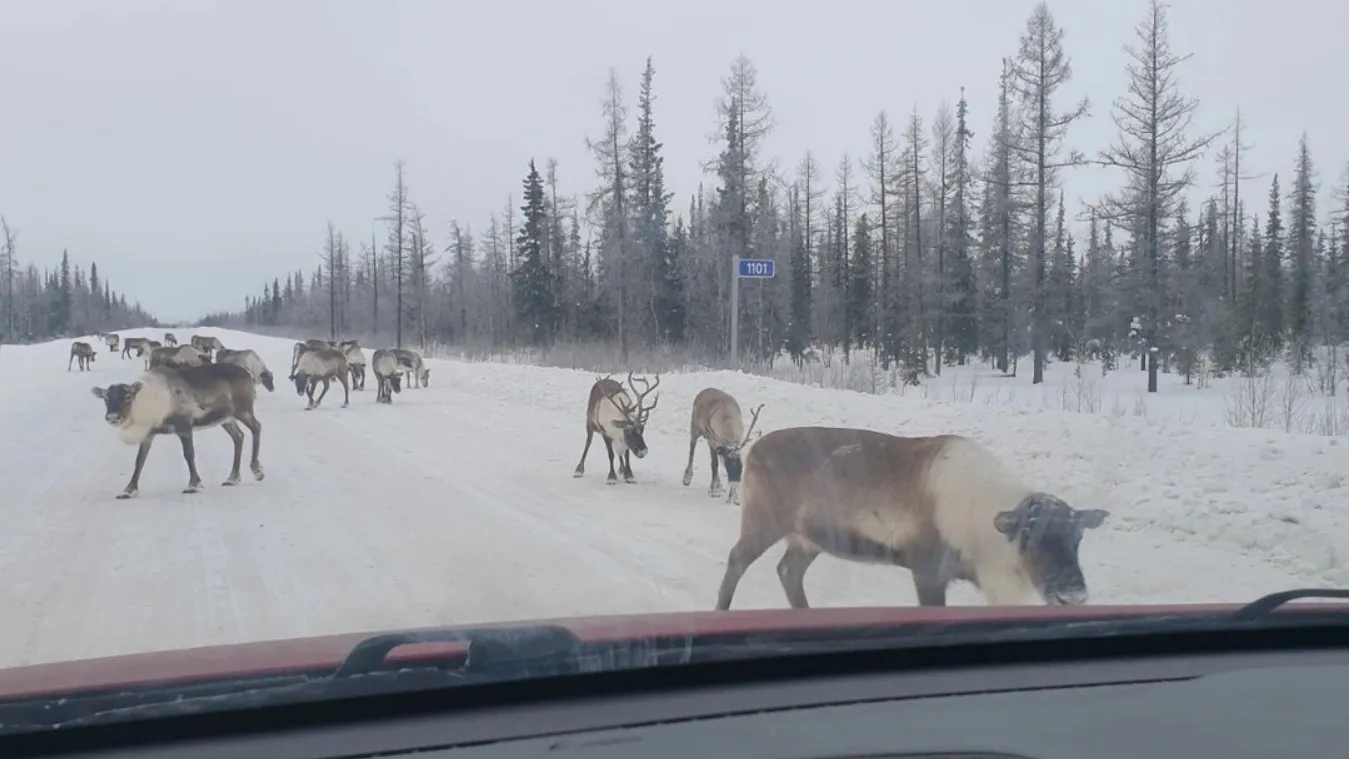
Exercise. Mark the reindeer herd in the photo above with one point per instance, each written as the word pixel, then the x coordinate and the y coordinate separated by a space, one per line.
pixel 941 506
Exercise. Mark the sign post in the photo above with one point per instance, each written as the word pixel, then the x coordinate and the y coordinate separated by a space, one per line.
pixel 744 268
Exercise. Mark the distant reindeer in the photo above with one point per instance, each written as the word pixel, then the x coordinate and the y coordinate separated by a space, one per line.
pixel 620 420
pixel 411 363
pixel 177 357
pixel 317 365
pixel 943 507
pixel 300 348
pixel 167 401
pixel 133 345
pixel 82 351
pixel 388 375
pixel 251 361
pixel 146 349
pixel 170 339
pixel 207 345
pixel 110 339
pixel 356 361
pixel 717 418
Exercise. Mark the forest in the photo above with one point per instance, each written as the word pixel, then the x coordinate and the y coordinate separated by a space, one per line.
pixel 38 305
pixel 925 252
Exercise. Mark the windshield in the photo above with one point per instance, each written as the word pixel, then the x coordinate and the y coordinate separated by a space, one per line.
pixel 399 315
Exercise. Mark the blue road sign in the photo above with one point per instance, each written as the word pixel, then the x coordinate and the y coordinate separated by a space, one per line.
pixel 757 268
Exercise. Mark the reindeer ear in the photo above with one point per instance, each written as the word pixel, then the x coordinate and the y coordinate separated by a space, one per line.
pixel 1007 522
pixel 133 389
pixel 98 392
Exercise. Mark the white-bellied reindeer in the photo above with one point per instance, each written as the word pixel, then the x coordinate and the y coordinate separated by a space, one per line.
pixel 147 349
pixel 620 420
pixel 411 363
pixel 317 365
pixel 300 348
pixel 716 418
pixel 112 340
pixel 178 357
pixel 207 345
pixel 133 345
pixel 167 401
pixel 250 360
pixel 170 339
pixel 356 361
pixel 84 353
pixel 943 507
pixel 388 375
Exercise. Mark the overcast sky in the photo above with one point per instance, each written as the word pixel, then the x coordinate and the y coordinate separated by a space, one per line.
pixel 195 149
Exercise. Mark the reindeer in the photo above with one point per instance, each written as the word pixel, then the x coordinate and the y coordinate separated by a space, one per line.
pixel 612 413
pixel 177 357
pixel 251 361
pixel 170 339
pixel 355 360
pixel 717 418
pixel 146 349
pixel 207 345
pixel 943 507
pixel 133 345
pixel 82 351
pixel 177 401
pixel 388 376
pixel 300 348
pixel 411 363
pixel 321 365
pixel 110 339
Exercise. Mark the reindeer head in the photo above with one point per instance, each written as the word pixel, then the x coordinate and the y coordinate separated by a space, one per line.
pixel 1047 533
pixel 117 401
pixel 426 377
pixel 301 382
pixel 267 380
pixel 633 423
pixel 396 382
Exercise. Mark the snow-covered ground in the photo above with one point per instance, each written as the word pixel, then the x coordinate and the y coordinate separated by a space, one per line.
pixel 457 504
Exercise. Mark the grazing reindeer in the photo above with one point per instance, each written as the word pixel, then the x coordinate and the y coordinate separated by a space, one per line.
pixel 411 363
pixel 388 376
pixel 176 401
pixel 82 351
pixel 321 365
pixel 207 345
pixel 133 345
pixel 110 339
pixel 251 361
pixel 170 339
pixel 943 507
pixel 618 419
pixel 716 418
pixel 178 357
pixel 355 360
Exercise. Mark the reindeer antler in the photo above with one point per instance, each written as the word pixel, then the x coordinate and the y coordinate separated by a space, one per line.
pixel 754 419
pixel 643 411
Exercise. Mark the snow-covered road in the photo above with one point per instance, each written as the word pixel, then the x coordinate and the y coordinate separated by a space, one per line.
pixel 456 504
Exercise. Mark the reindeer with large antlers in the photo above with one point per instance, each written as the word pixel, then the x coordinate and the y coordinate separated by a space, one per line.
pixel 717 418
pixel 620 420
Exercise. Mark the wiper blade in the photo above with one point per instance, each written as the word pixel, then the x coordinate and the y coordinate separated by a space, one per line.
pixel 498 653
pixel 1268 604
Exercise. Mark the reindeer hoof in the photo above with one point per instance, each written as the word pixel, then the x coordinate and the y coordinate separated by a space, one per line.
pixel 191 489
pixel 716 492
pixel 257 474
pixel 125 495
pixel 611 481
pixel 688 478
pixel 578 473
pixel 231 482
pixel 630 480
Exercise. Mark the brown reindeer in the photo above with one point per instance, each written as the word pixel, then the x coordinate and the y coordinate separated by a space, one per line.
pixel 356 362
pixel 388 375
pixel 207 345
pixel 620 420
pixel 942 507
pixel 82 351
pixel 133 345
pixel 167 401
pixel 717 418
pixel 146 349
pixel 300 348
pixel 321 365
pixel 112 340
pixel 250 360
pixel 177 357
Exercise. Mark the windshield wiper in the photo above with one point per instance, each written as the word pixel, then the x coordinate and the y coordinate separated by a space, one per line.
pixel 1268 604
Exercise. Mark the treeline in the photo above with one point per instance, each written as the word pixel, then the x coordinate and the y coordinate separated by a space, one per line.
pixel 923 253
pixel 37 305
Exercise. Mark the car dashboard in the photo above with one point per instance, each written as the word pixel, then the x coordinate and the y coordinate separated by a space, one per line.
pixel 1232 705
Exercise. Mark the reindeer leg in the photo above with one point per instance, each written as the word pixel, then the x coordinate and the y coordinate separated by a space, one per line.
pixel 627 468
pixel 581 465
pixel 688 470
pixel 346 391
pixel 745 552
pixel 237 435
pixel 255 427
pixel 142 453
pixel 715 488
pixel 326 384
pixel 69 361
pixel 613 477
pixel 792 572
pixel 190 456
